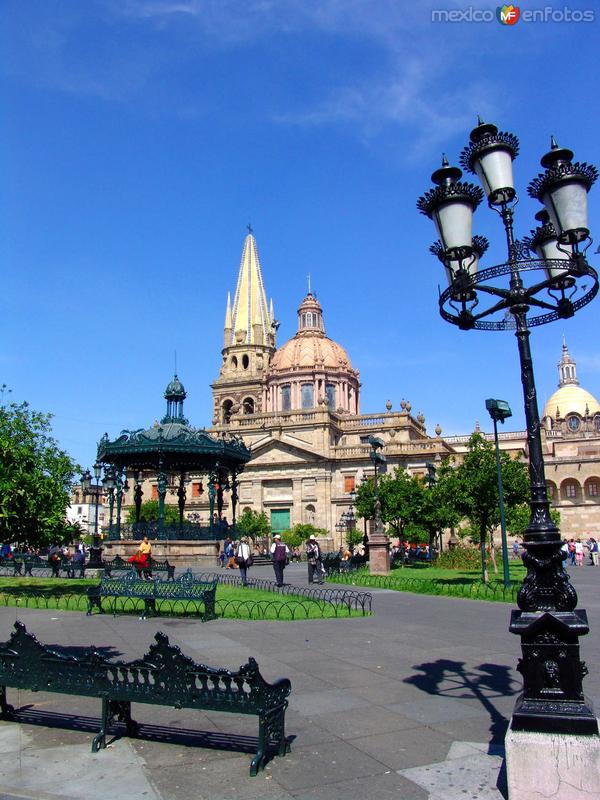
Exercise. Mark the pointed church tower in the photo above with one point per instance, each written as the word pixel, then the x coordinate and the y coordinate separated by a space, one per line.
pixel 567 368
pixel 249 342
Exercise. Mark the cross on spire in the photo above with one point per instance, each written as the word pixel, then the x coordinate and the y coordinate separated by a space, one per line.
pixel 249 227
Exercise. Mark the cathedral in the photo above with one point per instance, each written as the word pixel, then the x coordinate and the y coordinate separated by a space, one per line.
pixel 297 408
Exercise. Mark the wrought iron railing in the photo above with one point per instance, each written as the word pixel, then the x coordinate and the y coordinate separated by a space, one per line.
pixel 188 531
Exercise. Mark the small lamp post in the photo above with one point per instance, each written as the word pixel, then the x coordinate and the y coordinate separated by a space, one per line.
pixel 93 490
pixel 109 487
pixel 499 410
pixel 379 553
pixel 545 277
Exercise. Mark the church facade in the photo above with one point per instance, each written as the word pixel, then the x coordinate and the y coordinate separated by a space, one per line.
pixel 297 407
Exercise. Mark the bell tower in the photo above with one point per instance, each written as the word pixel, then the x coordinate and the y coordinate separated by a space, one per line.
pixel 248 342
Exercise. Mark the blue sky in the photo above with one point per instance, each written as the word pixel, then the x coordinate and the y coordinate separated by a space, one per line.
pixel 141 136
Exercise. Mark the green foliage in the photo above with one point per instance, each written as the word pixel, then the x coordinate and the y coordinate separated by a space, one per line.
pixel 35 479
pixel 413 510
pixel 149 512
pixel 253 524
pixel 472 488
pixel 517 519
pixel 300 533
pixel 353 538
pixel 460 557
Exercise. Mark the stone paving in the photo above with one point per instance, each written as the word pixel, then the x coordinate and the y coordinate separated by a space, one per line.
pixel 411 703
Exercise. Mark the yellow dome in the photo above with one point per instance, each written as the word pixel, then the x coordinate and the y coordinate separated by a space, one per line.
pixel 571 399
pixel 306 351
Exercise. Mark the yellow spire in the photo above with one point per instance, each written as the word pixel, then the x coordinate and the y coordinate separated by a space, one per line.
pixel 250 321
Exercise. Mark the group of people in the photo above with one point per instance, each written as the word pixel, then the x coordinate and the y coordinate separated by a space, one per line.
pixel 238 555
pixel 574 550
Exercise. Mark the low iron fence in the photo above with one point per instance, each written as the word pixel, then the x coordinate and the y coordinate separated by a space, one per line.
pixel 352 599
pixel 435 586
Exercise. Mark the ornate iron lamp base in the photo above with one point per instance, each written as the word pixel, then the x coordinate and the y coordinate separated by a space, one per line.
pixel 552 700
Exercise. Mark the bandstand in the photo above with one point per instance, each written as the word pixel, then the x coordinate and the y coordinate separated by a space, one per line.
pixel 171 451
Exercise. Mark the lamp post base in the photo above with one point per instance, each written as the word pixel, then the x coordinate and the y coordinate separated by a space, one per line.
pixel 552 700
pixel 379 555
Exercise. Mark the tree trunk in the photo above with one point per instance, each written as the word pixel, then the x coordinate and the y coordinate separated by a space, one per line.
pixel 493 552
pixel 484 572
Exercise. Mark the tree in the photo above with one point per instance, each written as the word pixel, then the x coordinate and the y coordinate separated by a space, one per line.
pixel 517 518
pixel 149 513
pixel 253 524
pixel 353 538
pixel 300 533
pixel 398 495
pixel 36 477
pixel 472 489
pixel 408 506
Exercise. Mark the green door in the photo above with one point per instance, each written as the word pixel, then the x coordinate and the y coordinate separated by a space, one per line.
pixel 280 520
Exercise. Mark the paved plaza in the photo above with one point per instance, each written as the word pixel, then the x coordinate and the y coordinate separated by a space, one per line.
pixel 410 703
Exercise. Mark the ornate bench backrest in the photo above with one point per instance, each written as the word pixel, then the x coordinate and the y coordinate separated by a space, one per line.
pixel 164 676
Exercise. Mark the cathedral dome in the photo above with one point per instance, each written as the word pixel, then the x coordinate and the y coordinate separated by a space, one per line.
pixel 570 398
pixel 310 352
pixel 310 348
pixel 311 369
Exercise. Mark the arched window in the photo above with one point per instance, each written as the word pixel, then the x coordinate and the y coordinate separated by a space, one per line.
pixel 570 489
pixel 573 422
pixel 245 361
pixel 307 395
pixel 304 320
pixel 286 397
pixel 552 493
pixel 226 411
pixel 234 362
pixel 330 393
pixel 248 405
pixel 592 489
pixel 309 320
pixel 597 423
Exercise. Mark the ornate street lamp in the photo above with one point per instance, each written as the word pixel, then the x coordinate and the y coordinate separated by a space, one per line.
pixel 499 410
pixel 548 622
pixel 94 490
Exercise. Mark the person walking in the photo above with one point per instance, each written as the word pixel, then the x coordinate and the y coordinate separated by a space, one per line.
pixel 594 552
pixel 579 553
pixel 314 560
pixel 229 554
pixel 280 554
pixel 243 558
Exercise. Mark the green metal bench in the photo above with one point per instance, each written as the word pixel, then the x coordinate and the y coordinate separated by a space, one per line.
pixel 24 565
pixel 186 590
pixel 164 676
pixel 118 564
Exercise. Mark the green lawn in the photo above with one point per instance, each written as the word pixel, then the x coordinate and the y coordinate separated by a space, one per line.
pixel 232 602
pixel 424 579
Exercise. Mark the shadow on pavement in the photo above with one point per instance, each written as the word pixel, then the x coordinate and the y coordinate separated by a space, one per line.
pixel 447 678
pixel 187 737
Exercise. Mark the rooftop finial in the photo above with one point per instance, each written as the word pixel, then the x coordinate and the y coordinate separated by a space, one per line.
pixel 553 145
pixel 445 162
pixel 175 360
pixel 250 230
pixel 479 120
pixel 309 291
